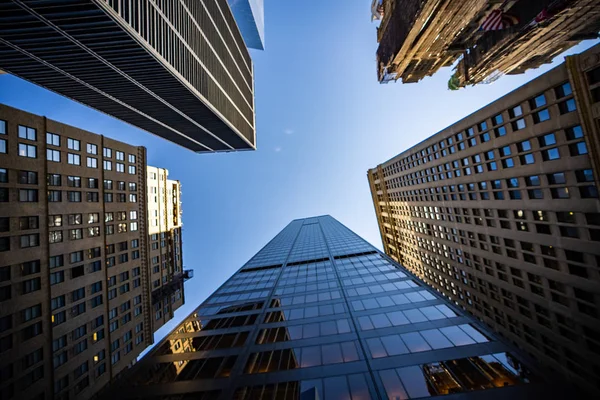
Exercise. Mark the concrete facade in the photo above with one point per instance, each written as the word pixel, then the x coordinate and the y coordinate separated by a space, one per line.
pixel 500 213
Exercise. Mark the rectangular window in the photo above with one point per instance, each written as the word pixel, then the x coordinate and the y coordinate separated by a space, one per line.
pixel 92 183
pixel 3 175
pixel 538 101
pixel 92 197
pixel 563 90
pixel 55 237
pixel 28 178
pixel 3 147
pixel 120 156
pixel 107 165
pixel 132 170
pixel 74 219
pixel 120 167
pixel 28 195
pixel 73 144
pixel 108 184
pixel 74 197
pixel 107 152
pixel 567 106
pixel 578 149
pixel 131 159
pixel 541 116
pixel 52 139
pixel 74 159
pixel 27 150
pixel 92 162
pixel 54 180
pixel 92 149
pixel 75 234
pixel 574 132
pixel 28 133
pixel 74 181
pixel 26 223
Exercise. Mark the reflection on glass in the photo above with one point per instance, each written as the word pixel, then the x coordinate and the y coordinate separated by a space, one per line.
pixel 454 376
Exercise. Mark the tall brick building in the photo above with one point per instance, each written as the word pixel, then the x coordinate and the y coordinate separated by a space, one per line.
pixel 500 213
pixel 75 258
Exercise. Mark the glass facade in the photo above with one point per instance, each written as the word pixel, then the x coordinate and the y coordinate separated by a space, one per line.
pixel 319 313
pixel 250 18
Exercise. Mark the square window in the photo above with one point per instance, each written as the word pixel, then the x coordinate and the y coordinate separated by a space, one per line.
pixel 567 106
pixel 28 133
pixel 574 132
pixel 541 116
pixel 538 101
pixel 578 149
pixel 551 154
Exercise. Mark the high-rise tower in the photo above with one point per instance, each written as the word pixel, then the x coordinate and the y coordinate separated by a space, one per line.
pixel 177 68
pixel 79 299
pixel 319 313
pixel 500 213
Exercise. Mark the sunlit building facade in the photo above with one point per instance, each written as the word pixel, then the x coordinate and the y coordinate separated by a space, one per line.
pixel 319 313
pixel 500 213
pixel 77 304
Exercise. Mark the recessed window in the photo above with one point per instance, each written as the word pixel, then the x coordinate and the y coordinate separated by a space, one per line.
pixel 53 155
pixel 500 131
pixel 567 106
pixel 588 192
pixel 541 116
pixel 28 195
pixel 28 177
pixel 550 154
pixel 505 151
pixel 74 181
pixel 120 156
pixel 563 90
pixel 538 101
pixel 54 180
pixel 120 167
pixel 560 193
pixel 515 111
pixel 533 180
pixel 527 159
pixel 518 124
pixel 497 119
pixel 54 196
pixel 547 140
pixel 132 157
pixel 574 132
pixel 557 178
pixel 584 175
pixel 3 147
pixel 508 163
pixel 535 194
pixel 578 149
pixel 3 175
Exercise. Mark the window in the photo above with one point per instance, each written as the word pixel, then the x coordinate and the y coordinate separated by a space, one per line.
pixel 92 162
pixel 57 277
pixel 75 234
pixel 515 111
pixel 120 167
pixel 3 149
pixel 120 185
pixel 93 218
pixel 76 257
pixel 500 131
pixel 527 159
pixel 28 195
pixel 28 177
pixel 74 159
pixel 54 180
pixel 56 261
pixel 28 133
pixel 497 120
pixel 53 155
pixel 92 148
pixel 550 154
pixel 567 106
pixel 133 226
pixel 107 152
pixel 132 186
pixel 92 183
pixel 584 175
pixel 563 90
pixel 27 150
pixel 121 228
pixel 55 237
pixel 557 178
pixel 132 198
pixel 107 165
pixel 132 170
pixel 31 285
pixel 4 224
pixel 93 231
pixel 108 197
pixel 109 217
pixel 74 181
pixel 108 184
pixel 73 144
pixel 547 140
pixel 541 116
pixel 54 196
pixel 32 240
pixel 518 124
pixel 575 132
pixel 505 151
pixel 508 163
pixel 588 192
pixel 538 101
pixel 5 246
pixel 26 223
pixel 52 139
pixel 92 197
pixel 560 193
pixel 3 175
pixel 74 197
pixel 120 156
pixel 74 219
pixel 133 215
pixel 131 159
pixel 578 149
pixel 532 180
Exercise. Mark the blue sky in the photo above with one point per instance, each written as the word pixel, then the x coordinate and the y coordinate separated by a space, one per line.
pixel 322 121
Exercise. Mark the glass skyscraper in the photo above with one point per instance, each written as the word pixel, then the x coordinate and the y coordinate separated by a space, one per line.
pixel 319 313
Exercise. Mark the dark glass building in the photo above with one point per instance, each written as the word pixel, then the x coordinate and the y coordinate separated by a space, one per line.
pixel 319 313
pixel 175 68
